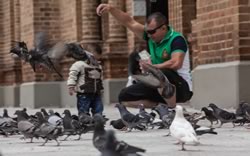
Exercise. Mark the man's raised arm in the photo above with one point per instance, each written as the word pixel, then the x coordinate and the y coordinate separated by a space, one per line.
pixel 122 17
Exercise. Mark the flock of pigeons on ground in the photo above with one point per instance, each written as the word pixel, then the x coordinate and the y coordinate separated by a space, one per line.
pixel 51 125
pixel 182 125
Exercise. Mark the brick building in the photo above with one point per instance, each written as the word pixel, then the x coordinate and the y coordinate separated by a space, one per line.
pixel 217 31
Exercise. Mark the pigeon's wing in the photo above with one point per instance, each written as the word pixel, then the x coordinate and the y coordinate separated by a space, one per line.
pixel 58 51
pixel 45 129
pixel 148 79
pixel 55 120
pixel 41 42
pixel 125 148
pixel 128 117
pixel 227 115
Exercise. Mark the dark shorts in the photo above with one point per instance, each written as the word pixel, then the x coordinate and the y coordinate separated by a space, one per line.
pixel 140 91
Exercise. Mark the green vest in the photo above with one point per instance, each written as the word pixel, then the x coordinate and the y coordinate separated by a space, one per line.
pixel 161 52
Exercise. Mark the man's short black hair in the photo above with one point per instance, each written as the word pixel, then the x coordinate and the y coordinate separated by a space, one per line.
pixel 158 17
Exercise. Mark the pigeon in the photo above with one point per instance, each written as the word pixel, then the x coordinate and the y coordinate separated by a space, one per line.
pixel 27 128
pixel 118 124
pixel 113 147
pixel 165 114
pixel 161 110
pixel 223 115
pixel 146 117
pixel 8 124
pixel 48 131
pixel 200 130
pixel 43 54
pixel 155 78
pixel 54 118
pixel 130 120
pixel 71 126
pixel 209 115
pixel 45 113
pixel 99 136
pixel 244 110
pixel 181 129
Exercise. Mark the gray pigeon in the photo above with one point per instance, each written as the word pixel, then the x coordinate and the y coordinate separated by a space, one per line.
pixel 209 115
pixel 99 136
pixel 72 126
pixel 27 128
pixel 223 115
pixel 165 114
pixel 147 118
pixel 48 131
pixel 55 120
pixel 113 147
pixel 130 120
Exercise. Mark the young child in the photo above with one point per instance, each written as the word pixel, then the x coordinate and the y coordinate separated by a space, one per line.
pixel 85 79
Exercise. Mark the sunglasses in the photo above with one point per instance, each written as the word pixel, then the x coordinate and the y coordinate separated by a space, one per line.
pixel 151 32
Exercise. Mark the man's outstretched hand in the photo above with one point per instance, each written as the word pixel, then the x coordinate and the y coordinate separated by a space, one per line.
pixel 102 8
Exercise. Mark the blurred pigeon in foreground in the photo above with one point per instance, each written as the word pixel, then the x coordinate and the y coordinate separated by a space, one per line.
pixel 113 147
pixel 223 115
pixel 130 120
pixel 156 79
pixel 181 129
pixel 99 136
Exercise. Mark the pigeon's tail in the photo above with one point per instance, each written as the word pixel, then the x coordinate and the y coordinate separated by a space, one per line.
pixel 190 138
pixel 208 131
pixel 125 148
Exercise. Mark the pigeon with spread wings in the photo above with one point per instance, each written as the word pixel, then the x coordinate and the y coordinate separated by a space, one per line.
pixel 48 55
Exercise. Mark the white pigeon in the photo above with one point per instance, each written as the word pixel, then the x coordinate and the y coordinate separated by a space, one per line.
pixel 181 129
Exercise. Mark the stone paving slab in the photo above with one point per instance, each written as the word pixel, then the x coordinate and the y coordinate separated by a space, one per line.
pixel 229 142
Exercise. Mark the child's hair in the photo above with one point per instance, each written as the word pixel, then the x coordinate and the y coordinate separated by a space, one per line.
pixel 94 47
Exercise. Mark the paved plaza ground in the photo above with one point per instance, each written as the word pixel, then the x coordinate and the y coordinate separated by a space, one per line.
pixel 229 142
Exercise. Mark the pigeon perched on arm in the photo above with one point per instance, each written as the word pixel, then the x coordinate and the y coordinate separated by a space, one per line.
pixel 155 78
pixel 223 115
pixel 181 129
